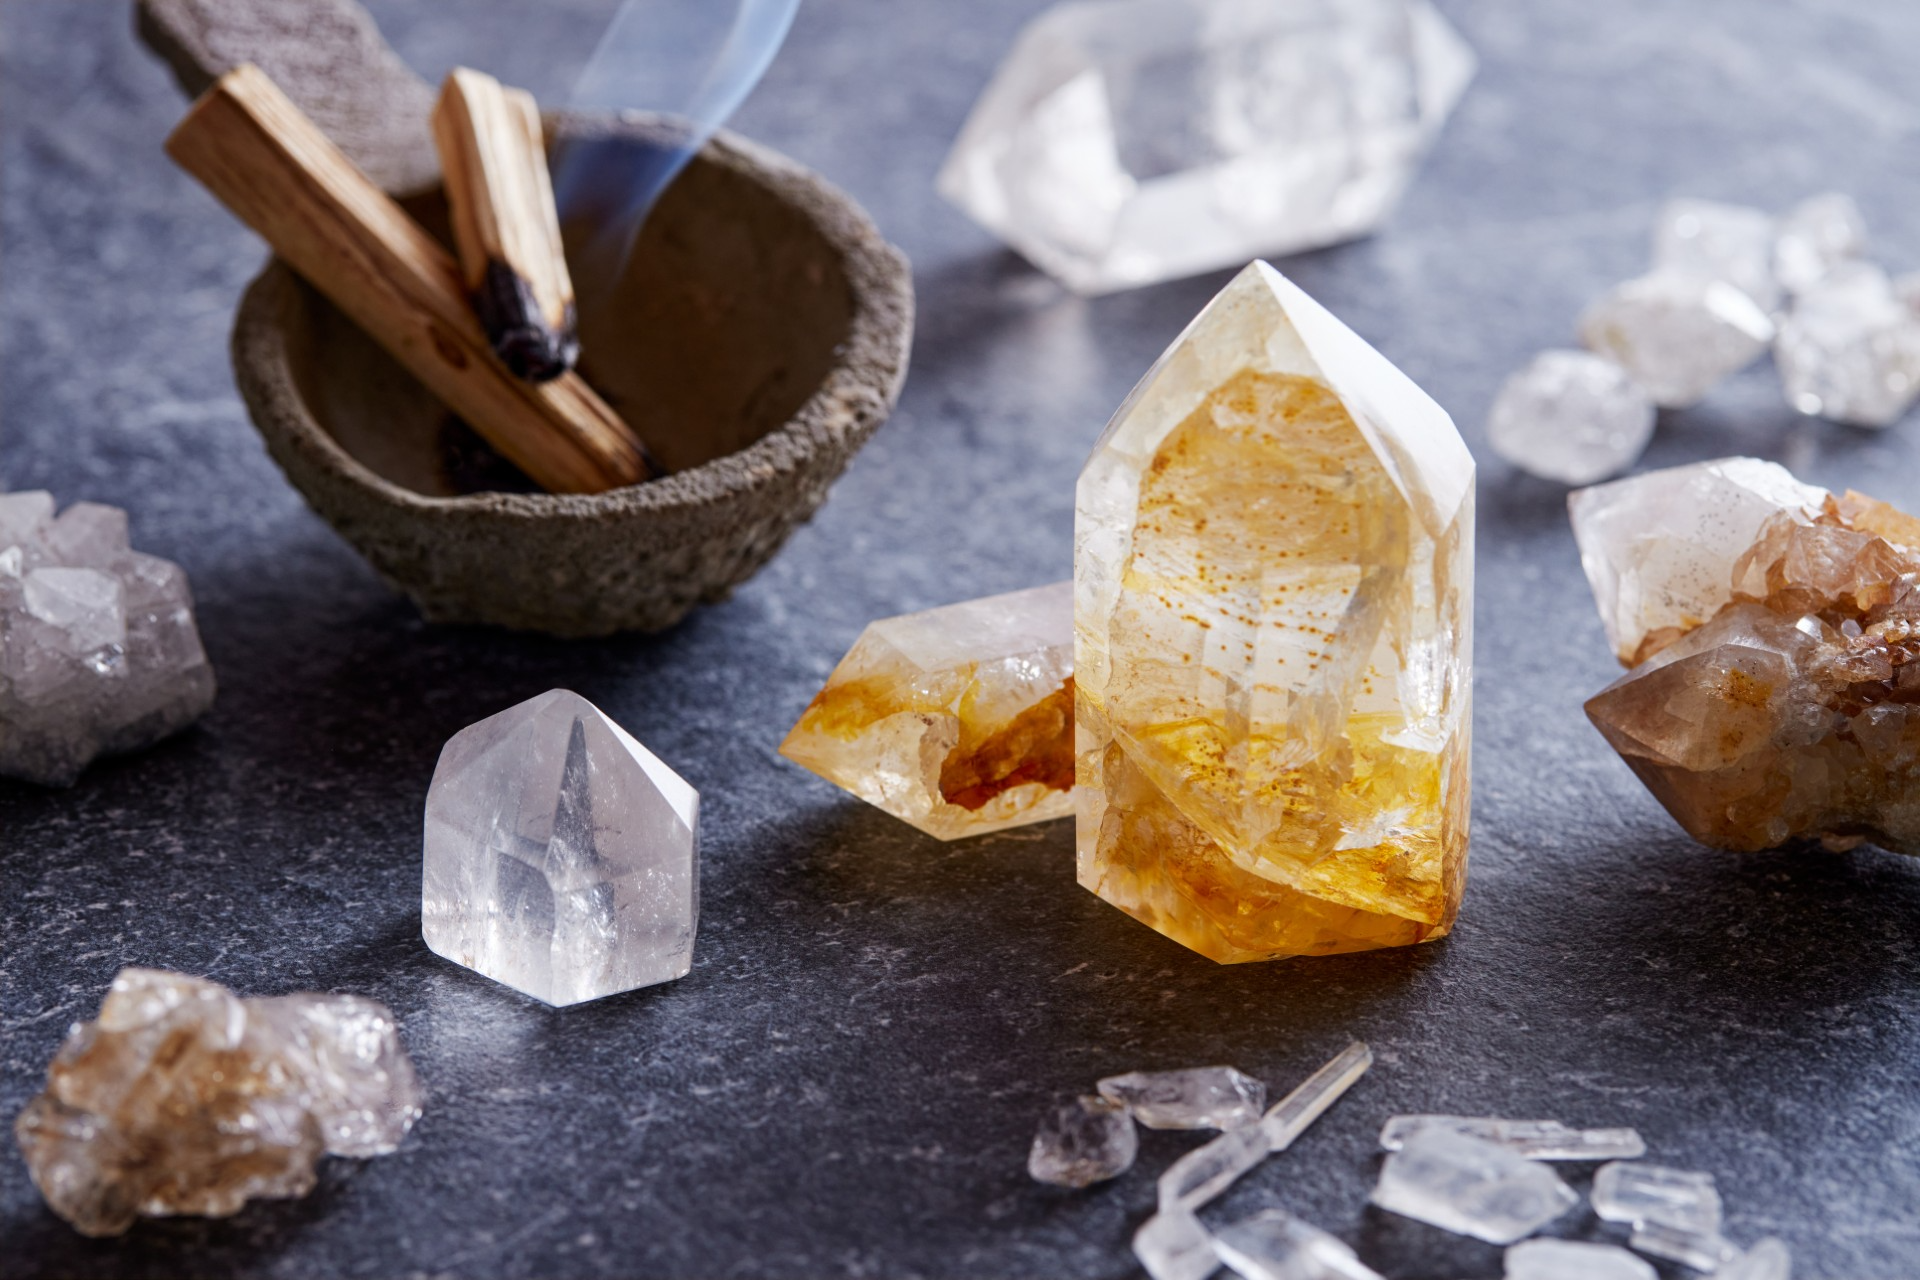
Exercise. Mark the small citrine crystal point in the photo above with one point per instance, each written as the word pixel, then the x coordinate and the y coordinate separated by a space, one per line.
pixel 1273 582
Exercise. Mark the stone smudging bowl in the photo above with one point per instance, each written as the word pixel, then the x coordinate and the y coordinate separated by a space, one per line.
pixel 758 338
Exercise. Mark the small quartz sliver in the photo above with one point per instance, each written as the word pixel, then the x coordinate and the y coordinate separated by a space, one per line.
pixel 1207 1170
pixel 1082 1142
pixel 1275 1245
pixel 1701 1250
pixel 1195 1098
pixel 1640 1193
pixel 1471 1187
pixel 1534 1139
pixel 1574 1260
pixel 1172 1245
pixel 1288 1118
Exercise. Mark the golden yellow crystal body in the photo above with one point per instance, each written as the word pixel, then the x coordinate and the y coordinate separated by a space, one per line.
pixel 1273 576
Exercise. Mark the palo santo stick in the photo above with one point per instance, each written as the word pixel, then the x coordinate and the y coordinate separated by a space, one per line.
pixel 273 168
pixel 505 223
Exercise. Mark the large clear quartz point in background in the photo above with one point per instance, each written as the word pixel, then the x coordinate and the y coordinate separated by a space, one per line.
pixel 1571 416
pixel 1534 1139
pixel 1275 1245
pixel 182 1098
pixel 1474 1188
pixel 1850 349
pixel 1274 577
pixel 1676 333
pixel 1727 242
pixel 1127 141
pixel 98 649
pixel 1574 1260
pixel 1083 1142
pixel 958 719
pixel 560 854
pixel 1195 1098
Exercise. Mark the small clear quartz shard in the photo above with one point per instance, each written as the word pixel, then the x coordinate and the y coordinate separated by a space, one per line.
pixel 1654 1193
pixel 1082 1142
pixel 1464 1185
pixel 1850 349
pixel 1123 142
pixel 1534 1139
pixel 1571 416
pixel 1288 1118
pixel 1677 334
pixel 1172 1245
pixel 1815 236
pixel 560 854
pixel 1574 1260
pixel 1727 242
pixel 958 720
pixel 182 1098
pixel 1195 1098
pixel 1701 1250
pixel 1207 1170
pixel 1275 1245
pixel 99 653
pixel 1767 1260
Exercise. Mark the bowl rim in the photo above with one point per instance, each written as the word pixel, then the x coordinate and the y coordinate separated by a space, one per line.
pixel 864 380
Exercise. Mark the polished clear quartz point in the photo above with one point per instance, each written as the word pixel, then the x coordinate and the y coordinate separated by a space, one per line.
pixel 1727 242
pixel 1534 1139
pixel 560 854
pixel 1767 1260
pixel 1571 416
pixel 1082 1142
pixel 1701 1250
pixel 1654 1193
pixel 1275 1245
pixel 1815 236
pixel 1209 1169
pixel 1464 1185
pixel 1288 1118
pixel 1850 349
pixel 1172 1245
pixel 1194 1098
pixel 1677 334
pixel 1127 141
pixel 1574 1260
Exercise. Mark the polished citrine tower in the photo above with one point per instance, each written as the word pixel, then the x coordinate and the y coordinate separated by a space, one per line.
pixel 1273 587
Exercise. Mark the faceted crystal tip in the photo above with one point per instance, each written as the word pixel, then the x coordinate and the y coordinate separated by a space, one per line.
pixel 1196 1098
pixel 560 854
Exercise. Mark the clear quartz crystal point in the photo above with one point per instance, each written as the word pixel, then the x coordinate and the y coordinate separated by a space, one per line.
pixel 1815 236
pixel 1195 1098
pixel 1850 349
pixel 1275 1245
pixel 1534 1139
pixel 1123 142
pixel 1571 416
pixel 1273 608
pixel 1470 1187
pixel 1209 1169
pixel 1654 1193
pixel 1082 1142
pixel 560 854
pixel 1288 1118
pixel 1676 333
pixel 1658 549
pixel 958 720
pixel 1701 1250
pixel 99 653
pixel 1767 1260
pixel 1574 1260
pixel 1727 242
pixel 1172 1245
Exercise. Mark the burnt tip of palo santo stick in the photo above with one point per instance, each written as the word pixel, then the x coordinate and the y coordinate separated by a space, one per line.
pixel 505 223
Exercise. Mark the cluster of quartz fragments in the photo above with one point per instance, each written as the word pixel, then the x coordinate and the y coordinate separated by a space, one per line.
pixel 1771 629
pixel 1727 283
pixel 183 1098
pixel 1127 141
pixel 98 650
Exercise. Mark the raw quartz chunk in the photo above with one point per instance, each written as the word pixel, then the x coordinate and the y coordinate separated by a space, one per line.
pixel 1534 1139
pixel 1767 1260
pixel 1727 242
pixel 1573 1260
pixel 182 1098
pixel 99 654
pixel 1701 1250
pixel 1815 236
pixel 1676 333
pixel 1172 1245
pixel 1571 416
pixel 1082 1142
pixel 1275 1245
pixel 1470 1187
pixel 1850 349
pixel 1196 1098
pixel 958 720
pixel 1654 1193
pixel 1273 573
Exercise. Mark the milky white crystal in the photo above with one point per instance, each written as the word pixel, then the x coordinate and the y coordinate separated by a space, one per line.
pixel 1127 141
pixel 1471 1187
pixel 1573 1260
pixel 1815 236
pixel 1273 574
pixel 1850 349
pixel 1172 1245
pixel 1676 333
pixel 1194 1098
pixel 1659 548
pixel 1534 1139
pixel 1082 1142
pixel 1275 1245
pixel 1654 1193
pixel 560 854
pixel 1571 416
pixel 1727 242
pixel 957 719
pixel 98 649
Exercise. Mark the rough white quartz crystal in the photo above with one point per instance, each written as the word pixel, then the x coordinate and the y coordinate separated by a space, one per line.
pixel 1534 1139
pixel 1659 548
pixel 1172 1245
pixel 560 854
pixel 1127 141
pixel 1275 1245
pixel 1574 1260
pixel 1815 236
pixel 1654 1193
pixel 1571 416
pixel 1194 1098
pixel 1729 242
pixel 1850 349
pixel 98 649
pixel 1464 1185
pixel 1082 1142
pixel 1676 333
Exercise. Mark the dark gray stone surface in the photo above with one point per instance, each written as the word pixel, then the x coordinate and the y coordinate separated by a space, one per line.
pixel 847 1081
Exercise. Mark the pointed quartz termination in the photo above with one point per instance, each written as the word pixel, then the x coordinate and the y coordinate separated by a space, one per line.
pixel 1275 1245
pixel 1767 1260
pixel 1534 1139
pixel 1172 1245
pixel 1570 416
pixel 1123 142
pixel 958 720
pixel 182 1098
pixel 1640 1193
pixel 1727 242
pixel 1083 1142
pixel 1574 1260
pixel 1273 574
pixel 560 854
pixel 1677 334
pixel 1850 349
pixel 1288 1118
pixel 1470 1187
pixel 1701 1250
pixel 1196 1098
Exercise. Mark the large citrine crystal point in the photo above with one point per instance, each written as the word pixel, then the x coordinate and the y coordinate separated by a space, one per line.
pixel 1273 582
